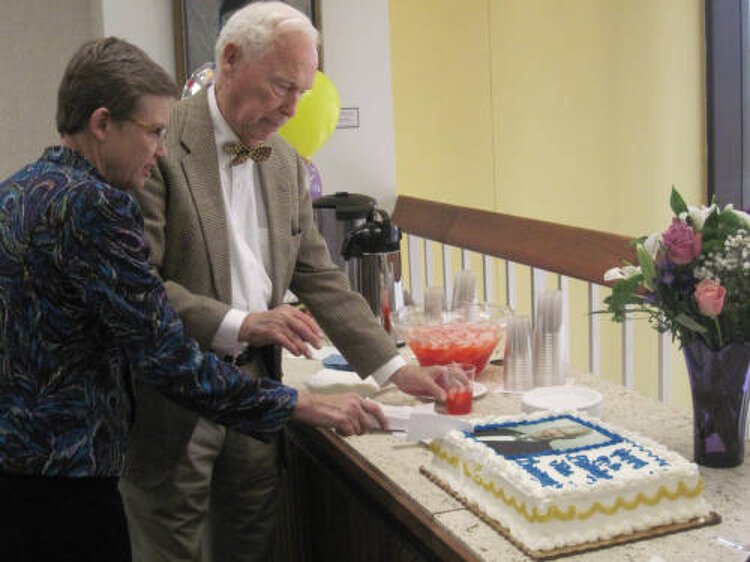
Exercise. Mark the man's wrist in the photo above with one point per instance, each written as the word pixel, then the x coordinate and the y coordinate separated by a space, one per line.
pixel 227 338
pixel 383 373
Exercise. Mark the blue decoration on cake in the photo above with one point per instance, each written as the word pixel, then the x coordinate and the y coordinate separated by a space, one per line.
pixel 562 467
pixel 525 429
pixel 593 471
pixel 609 463
pixel 530 465
pixel 629 458
pixel 562 449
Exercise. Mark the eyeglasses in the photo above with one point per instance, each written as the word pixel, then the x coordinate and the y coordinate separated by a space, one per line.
pixel 159 132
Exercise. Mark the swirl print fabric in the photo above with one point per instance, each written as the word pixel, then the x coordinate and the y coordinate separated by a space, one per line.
pixel 81 314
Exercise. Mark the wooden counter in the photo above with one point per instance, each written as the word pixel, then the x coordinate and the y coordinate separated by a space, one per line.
pixel 362 498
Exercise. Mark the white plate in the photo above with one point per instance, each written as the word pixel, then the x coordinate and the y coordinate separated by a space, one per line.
pixel 563 398
pixel 479 389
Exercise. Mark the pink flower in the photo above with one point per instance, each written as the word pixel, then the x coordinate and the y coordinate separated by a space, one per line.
pixel 710 297
pixel 682 243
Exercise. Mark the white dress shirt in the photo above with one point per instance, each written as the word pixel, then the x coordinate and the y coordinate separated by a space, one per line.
pixel 247 231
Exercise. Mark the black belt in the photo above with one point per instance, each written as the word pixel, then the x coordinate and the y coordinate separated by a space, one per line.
pixel 241 358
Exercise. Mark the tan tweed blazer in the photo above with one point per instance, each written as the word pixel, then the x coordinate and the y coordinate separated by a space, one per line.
pixel 186 228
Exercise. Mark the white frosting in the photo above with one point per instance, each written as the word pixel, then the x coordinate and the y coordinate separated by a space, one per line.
pixel 597 491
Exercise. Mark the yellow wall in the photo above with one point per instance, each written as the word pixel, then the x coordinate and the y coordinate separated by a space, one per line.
pixel 582 112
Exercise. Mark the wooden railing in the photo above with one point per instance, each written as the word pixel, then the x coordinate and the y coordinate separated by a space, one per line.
pixel 500 241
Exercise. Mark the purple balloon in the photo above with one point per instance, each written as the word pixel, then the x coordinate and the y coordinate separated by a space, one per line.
pixel 316 184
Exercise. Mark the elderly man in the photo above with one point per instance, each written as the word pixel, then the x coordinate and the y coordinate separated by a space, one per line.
pixel 83 315
pixel 231 229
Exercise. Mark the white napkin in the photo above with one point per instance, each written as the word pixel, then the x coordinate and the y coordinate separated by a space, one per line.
pixel 426 425
pixel 332 380
pixel 317 354
pixel 399 417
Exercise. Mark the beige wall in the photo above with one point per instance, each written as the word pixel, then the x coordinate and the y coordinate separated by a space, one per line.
pixel 582 112
pixel 577 111
pixel 146 23
pixel 37 37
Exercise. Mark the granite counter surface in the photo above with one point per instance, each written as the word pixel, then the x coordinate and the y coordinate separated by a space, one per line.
pixel 727 490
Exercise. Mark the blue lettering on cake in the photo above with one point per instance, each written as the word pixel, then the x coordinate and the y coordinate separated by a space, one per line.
pixel 562 467
pixel 529 465
pixel 628 457
pixel 607 462
pixel 593 472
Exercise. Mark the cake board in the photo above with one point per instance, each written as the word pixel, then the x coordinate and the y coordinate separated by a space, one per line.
pixel 712 519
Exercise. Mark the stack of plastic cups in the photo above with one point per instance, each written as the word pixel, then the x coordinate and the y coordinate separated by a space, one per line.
pixel 547 341
pixel 519 375
pixel 434 302
pixel 464 289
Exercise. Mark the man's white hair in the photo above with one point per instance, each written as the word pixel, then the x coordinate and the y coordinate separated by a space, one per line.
pixel 255 27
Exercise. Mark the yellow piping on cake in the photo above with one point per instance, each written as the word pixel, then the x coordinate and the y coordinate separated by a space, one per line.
pixel 555 512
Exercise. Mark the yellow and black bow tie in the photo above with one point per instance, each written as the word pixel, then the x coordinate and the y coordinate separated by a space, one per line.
pixel 241 152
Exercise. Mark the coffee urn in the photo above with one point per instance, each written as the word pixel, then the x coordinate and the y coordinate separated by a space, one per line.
pixel 373 257
pixel 337 215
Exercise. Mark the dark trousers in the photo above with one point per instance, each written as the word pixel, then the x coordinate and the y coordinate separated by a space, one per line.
pixel 51 518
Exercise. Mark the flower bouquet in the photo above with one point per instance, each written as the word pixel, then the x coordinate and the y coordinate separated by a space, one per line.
pixel 693 281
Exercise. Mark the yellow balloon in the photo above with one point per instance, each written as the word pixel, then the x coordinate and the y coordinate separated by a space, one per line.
pixel 316 117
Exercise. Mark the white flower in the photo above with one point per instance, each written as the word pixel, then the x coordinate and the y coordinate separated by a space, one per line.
pixel 652 244
pixel 698 215
pixel 743 215
pixel 617 273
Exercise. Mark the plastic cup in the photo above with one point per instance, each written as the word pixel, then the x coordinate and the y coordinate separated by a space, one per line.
pixel 519 375
pixel 434 302
pixel 459 389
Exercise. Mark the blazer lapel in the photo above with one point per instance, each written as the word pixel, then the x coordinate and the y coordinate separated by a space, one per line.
pixel 201 169
pixel 276 197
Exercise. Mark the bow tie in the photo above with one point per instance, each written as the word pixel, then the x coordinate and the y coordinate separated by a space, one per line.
pixel 240 152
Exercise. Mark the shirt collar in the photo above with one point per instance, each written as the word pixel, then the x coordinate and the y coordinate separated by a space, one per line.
pixel 222 131
pixel 64 156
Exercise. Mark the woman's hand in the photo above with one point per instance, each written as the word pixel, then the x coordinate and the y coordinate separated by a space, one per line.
pixel 348 414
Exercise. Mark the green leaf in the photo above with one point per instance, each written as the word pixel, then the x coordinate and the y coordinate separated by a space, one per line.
pixel 624 293
pixel 690 324
pixel 647 267
pixel 729 220
pixel 711 226
pixel 677 202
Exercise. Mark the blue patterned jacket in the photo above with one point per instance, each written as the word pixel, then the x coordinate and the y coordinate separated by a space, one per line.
pixel 81 314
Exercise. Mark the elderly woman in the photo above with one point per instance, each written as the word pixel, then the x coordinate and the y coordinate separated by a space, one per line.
pixel 82 315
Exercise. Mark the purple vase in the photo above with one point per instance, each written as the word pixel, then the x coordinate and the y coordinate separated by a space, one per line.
pixel 720 384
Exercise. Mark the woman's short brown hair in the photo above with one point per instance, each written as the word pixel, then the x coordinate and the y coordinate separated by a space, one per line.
pixel 109 73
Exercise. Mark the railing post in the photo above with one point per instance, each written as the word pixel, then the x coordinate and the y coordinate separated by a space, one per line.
pixel 416 284
pixel 510 284
pixel 595 348
pixel 428 270
pixel 628 374
pixel 563 287
pixel 488 278
pixel 538 278
pixel 447 270
pixel 664 366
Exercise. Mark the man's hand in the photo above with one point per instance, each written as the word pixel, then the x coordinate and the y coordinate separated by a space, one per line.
pixel 426 381
pixel 285 326
pixel 348 414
